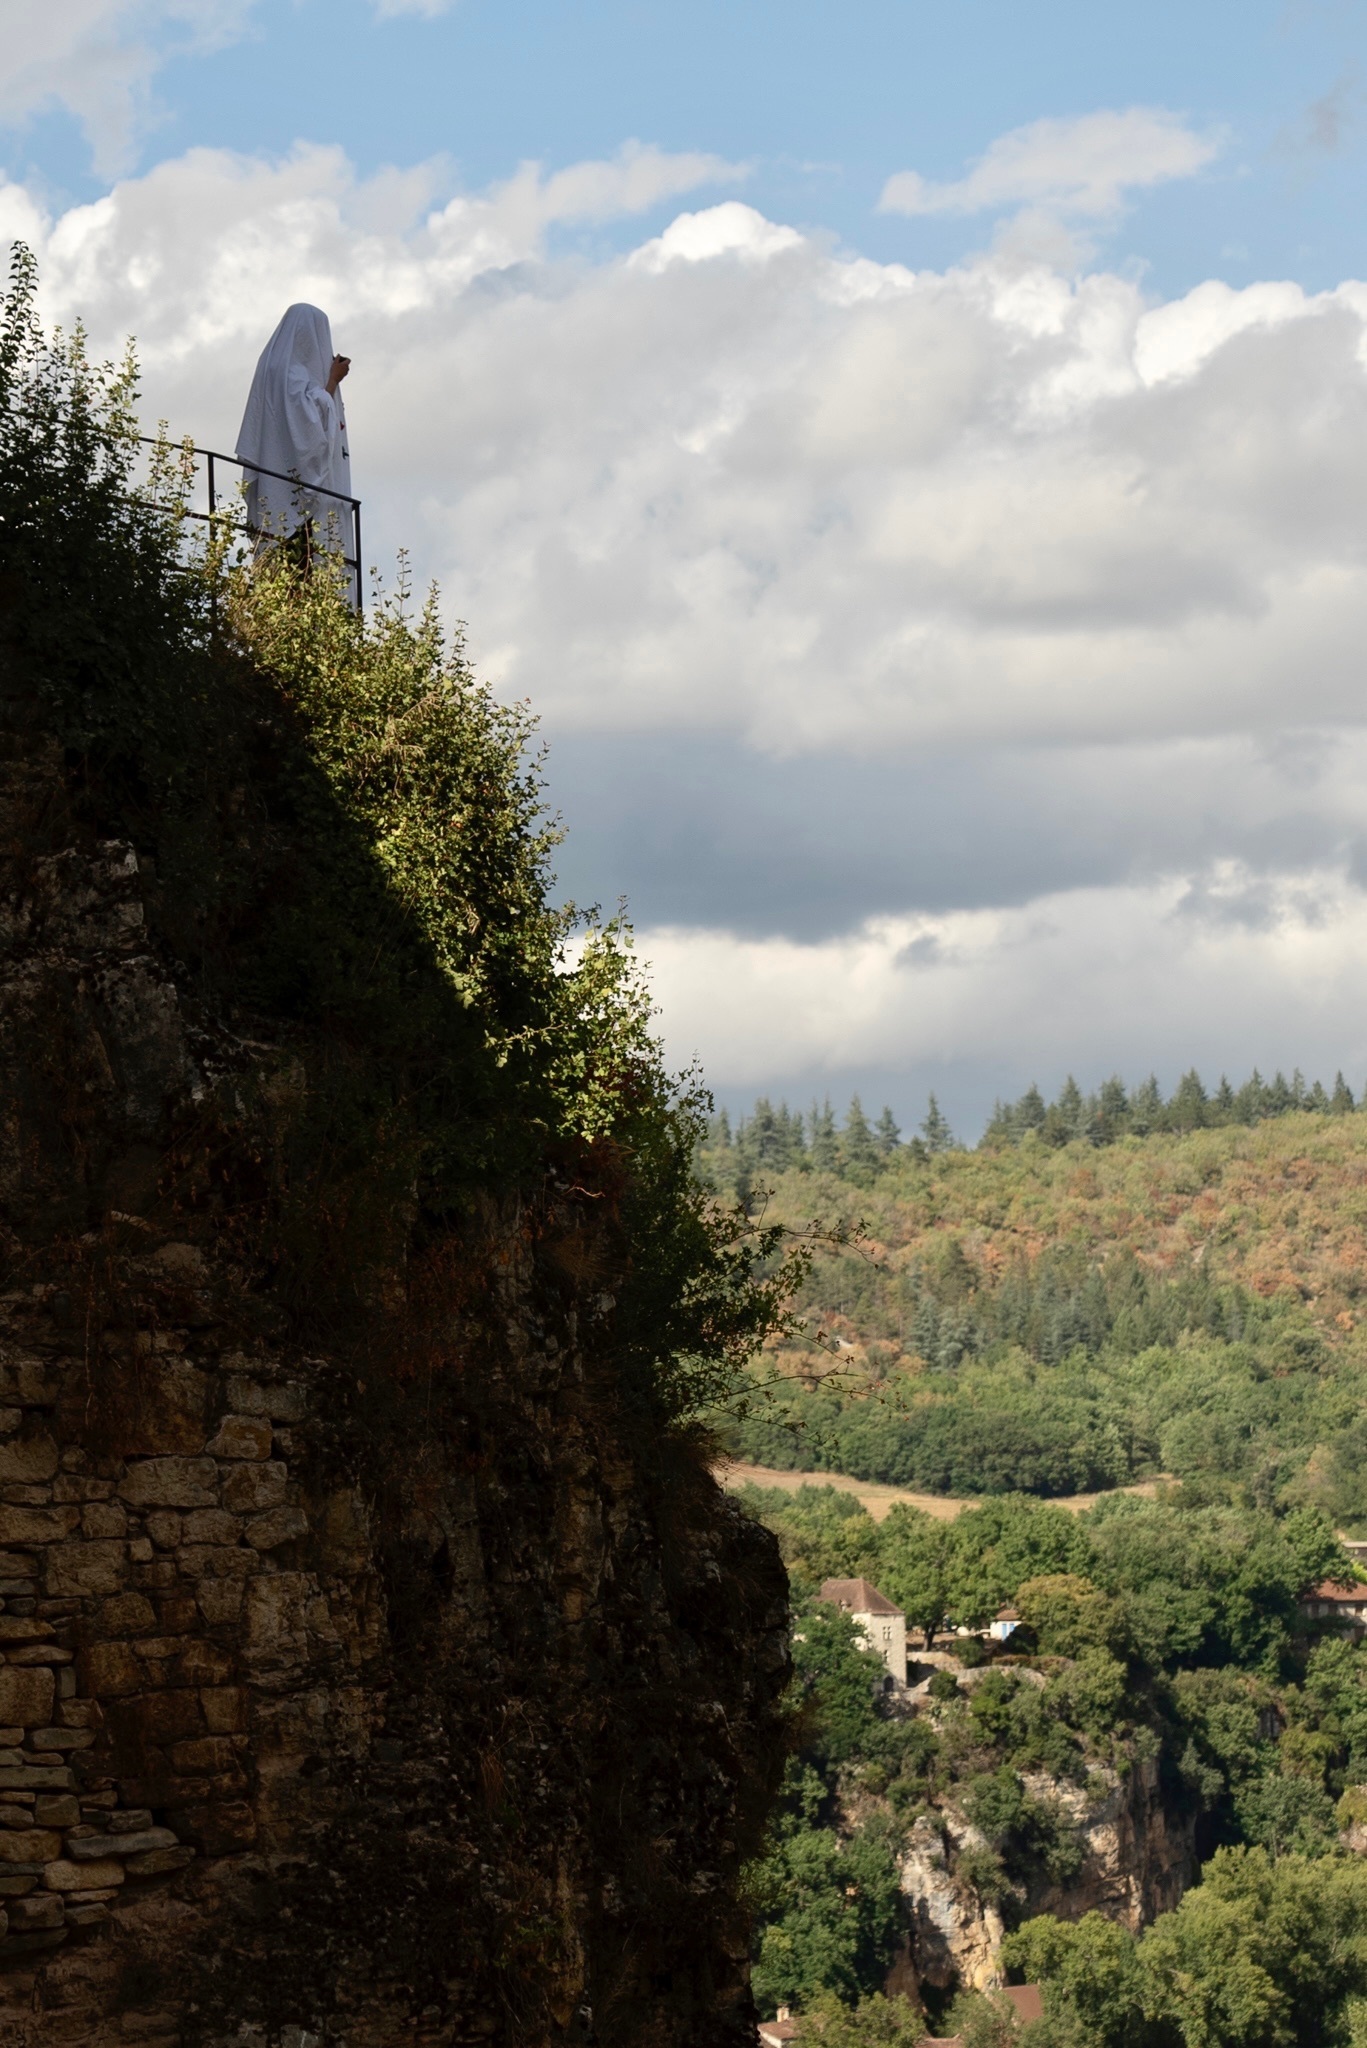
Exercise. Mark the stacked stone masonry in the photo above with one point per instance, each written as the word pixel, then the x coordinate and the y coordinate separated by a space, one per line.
pixel 148 1610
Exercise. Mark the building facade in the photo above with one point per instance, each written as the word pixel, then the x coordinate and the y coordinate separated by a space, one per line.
pixel 883 1626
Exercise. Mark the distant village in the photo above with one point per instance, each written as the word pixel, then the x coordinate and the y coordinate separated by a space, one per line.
pixel 884 1625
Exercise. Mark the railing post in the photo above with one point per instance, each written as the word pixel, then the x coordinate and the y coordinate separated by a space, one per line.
pixel 213 500
pixel 356 520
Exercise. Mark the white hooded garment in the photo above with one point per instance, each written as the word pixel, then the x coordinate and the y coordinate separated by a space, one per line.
pixel 295 425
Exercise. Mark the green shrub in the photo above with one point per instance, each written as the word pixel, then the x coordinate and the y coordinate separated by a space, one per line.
pixel 352 859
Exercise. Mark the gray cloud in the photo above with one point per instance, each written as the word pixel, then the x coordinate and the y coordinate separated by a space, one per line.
pixel 701 833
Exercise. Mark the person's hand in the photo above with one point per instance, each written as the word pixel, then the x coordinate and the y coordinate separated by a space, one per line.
pixel 340 366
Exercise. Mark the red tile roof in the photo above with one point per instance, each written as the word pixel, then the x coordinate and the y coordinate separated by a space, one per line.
pixel 1026 1999
pixel 857 1596
pixel 1332 1589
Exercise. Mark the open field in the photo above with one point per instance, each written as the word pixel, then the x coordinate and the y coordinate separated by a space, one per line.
pixel 877 1500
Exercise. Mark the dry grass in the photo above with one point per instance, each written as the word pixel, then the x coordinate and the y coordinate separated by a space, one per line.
pixel 877 1500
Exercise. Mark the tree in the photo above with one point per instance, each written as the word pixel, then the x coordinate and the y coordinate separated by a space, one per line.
pixel 1089 1971
pixel 825 1146
pixel 1030 1112
pixel 876 2022
pixel 1341 1101
pixel 1260 1952
pixel 994 1548
pixel 935 1129
pixel 841 1677
pixel 1113 1107
pixel 831 1913
pixel 859 1154
pixel 1188 1110
pixel 1069 1614
pixel 1146 1106
pixel 914 1553
pixel 1071 1108
pixel 887 1137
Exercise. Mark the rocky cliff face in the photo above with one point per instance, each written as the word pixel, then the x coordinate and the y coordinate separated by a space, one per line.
pixel 1137 1859
pixel 442 1711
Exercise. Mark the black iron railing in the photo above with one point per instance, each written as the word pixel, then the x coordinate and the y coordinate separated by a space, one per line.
pixel 213 456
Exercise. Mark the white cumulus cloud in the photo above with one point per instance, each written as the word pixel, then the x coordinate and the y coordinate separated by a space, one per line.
pixel 96 59
pixel 1085 165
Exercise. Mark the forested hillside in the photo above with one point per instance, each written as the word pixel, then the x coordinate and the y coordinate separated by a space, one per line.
pixel 1053 1313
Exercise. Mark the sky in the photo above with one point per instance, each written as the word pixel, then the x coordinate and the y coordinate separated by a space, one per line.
pixel 913 460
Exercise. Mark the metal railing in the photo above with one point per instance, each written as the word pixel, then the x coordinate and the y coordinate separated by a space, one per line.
pixel 213 456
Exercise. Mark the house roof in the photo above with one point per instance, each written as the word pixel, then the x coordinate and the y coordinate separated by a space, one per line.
pixel 1333 1589
pixel 774 2032
pixel 857 1596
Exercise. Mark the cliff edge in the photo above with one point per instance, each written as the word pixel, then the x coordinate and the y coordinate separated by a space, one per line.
pixel 377 1657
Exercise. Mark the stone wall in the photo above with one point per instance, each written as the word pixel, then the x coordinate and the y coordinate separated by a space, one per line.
pixel 150 1620
pixel 439 1708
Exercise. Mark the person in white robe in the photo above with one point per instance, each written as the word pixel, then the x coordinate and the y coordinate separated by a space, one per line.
pixel 295 425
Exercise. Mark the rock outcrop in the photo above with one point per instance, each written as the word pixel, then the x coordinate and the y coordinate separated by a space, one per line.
pixel 1137 1859
pixel 436 1711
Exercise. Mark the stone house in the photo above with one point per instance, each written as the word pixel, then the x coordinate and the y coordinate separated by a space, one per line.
pixel 883 1626
pixel 1333 1601
pixel 777 2033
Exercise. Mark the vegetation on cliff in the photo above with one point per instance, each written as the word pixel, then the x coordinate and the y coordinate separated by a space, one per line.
pixel 350 842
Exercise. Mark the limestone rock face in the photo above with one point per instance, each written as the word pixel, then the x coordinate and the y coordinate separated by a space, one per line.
pixel 440 1712
pixel 1138 1858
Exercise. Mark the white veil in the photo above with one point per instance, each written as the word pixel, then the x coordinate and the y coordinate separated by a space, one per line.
pixel 293 424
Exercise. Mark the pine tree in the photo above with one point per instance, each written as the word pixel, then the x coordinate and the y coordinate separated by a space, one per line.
pixel 1001 1126
pixel 1187 1110
pixel 886 1134
pixel 1224 1100
pixel 773 1138
pixel 1064 1120
pixel 1341 1101
pixel 935 1129
pixel 1317 1100
pixel 858 1152
pixel 1249 1102
pixel 1029 1113
pixel 1115 1103
pixel 1277 1097
pixel 1071 1107
pixel 825 1146
pixel 1146 1106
